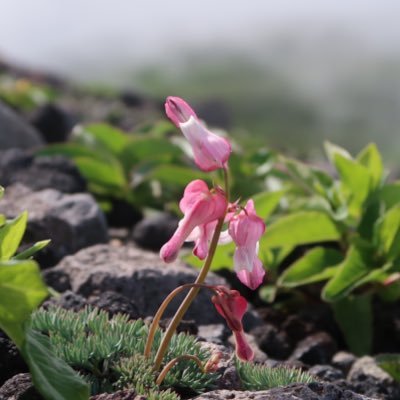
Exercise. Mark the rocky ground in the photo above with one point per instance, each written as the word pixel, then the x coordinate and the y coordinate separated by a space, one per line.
pixel 94 260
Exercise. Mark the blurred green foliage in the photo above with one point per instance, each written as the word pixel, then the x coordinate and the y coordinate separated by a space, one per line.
pixel 24 94
pixel 21 291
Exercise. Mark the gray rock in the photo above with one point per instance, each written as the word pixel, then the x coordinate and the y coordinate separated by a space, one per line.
pixel 11 361
pixel 15 132
pixel 128 394
pixel 151 233
pixel 311 391
pixel 19 387
pixel 57 172
pixel 214 333
pixel 343 360
pixel 317 348
pixel 368 378
pixel 326 373
pixel 72 222
pixel 136 274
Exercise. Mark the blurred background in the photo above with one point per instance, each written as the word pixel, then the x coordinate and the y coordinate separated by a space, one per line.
pixel 285 74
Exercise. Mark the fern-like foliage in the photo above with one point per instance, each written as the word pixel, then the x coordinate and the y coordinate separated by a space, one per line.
pixel 261 377
pixel 108 353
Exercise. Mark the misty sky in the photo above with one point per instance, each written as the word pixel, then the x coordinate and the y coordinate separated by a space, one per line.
pixel 96 35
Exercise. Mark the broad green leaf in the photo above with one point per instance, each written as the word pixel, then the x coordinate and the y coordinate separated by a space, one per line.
pixel 308 177
pixel 301 228
pixel 102 136
pixel 32 250
pixel 151 148
pixel 21 291
pixel 223 258
pixel 266 202
pixel 369 218
pixel 52 377
pixel 171 174
pixel 332 150
pixel 355 182
pixel 11 235
pixel 387 233
pixel 390 194
pixel 268 293
pixel 370 158
pixel 102 173
pixel 354 316
pixel 316 265
pixel 70 150
pixel 357 264
pixel 1 192
pixel 390 363
pixel 3 220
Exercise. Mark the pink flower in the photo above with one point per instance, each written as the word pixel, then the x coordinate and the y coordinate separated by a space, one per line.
pixel 246 228
pixel 232 306
pixel 200 207
pixel 210 150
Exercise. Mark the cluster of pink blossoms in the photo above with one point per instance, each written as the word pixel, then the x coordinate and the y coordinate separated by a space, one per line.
pixel 202 208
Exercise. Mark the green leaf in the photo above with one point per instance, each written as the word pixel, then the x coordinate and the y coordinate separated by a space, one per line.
pixel 266 202
pixel 390 363
pixel 52 377
pixel 1 192
pixel 370 158
pixel 102 136
pixel 308 177
pixel 11 234
pixel 70 150
pixel 28 253
pixel 355 182
pixel 108 174
pixel 387 233
pixel 357 264
pixel 316 265
pixel 223 258
pixel 301 228
pixel 390 194
pixel 21 291
pixel 332 150
pixel 354 316
pixel 171 174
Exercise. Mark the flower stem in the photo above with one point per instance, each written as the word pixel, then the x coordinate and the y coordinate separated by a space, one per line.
pixel 194 290
pixel 166 369
pixel 161 310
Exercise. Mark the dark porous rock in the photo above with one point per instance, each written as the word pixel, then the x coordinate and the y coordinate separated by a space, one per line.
pixel 56 172
pixel 115 303
pixel 326 373
pixel 19 387
pixel 214 333
pixel 343 360
pixel 185 326
pixel 15 132
pixel 136 274
pixel 11 361
pixel 123 214
pixel 368 378
pixel 68 300
pixel 272 341
pixel 53 122
pixel 71 221
pixel 297 391
pixel 296 328
pixel 128 394
pixel 317 348
pixel 151 233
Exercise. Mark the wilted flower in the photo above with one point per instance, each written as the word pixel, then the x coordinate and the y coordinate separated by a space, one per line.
pixel 210 150
pixel 200 206
pixel 246 229
pixel 232 306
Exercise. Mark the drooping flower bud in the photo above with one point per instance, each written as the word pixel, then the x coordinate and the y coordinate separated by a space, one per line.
pixel 246 229
pixel 232 306
pixel 200 207
pixel 210 150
